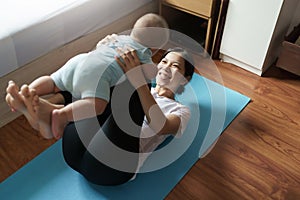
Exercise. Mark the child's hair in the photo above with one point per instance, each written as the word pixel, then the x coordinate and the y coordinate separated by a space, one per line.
pixel 151 20
pixel 151 30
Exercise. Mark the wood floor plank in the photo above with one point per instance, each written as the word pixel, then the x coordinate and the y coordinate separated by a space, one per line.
pixel 257 157
pixel 19 144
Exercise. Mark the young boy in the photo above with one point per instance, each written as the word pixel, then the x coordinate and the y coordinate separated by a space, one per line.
pixel 88 77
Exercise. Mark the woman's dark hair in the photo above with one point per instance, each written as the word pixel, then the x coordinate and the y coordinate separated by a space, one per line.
pixel 188 60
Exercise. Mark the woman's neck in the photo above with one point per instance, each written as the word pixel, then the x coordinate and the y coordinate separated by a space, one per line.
pixel 162 91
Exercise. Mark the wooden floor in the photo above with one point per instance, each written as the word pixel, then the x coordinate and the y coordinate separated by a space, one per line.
pixel 257 156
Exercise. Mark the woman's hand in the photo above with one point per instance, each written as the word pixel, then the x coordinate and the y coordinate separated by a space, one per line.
pixel 131 66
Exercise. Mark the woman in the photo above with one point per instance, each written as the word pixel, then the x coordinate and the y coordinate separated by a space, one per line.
pixel 164 115
pixel 110 148
pixel 84 150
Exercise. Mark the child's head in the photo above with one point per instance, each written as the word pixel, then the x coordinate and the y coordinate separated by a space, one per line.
pixel 151 30
pixel 151 20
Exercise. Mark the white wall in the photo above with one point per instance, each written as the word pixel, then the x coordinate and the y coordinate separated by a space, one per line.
pixel 253 32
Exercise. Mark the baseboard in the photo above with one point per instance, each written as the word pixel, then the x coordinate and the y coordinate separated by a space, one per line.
pixel 56 58
pixel 240 64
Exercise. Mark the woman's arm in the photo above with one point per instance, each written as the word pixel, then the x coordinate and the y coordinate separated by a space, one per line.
pixel 157 120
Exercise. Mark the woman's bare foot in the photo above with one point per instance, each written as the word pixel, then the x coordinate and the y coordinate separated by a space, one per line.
pixel 44 110
pixel 39 109
pixel 59 122
pixel 15 101
pixel 13 98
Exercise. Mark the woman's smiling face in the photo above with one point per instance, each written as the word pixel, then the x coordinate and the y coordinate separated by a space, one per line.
pixel 171 71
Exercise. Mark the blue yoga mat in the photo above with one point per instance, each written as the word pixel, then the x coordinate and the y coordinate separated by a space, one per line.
pixel 48 177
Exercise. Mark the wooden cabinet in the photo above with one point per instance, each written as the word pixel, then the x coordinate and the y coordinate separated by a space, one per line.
pixel 203 10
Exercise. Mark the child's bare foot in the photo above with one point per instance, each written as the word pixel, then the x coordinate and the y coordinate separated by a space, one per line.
pixel 15 101
pixel 59 122
pixel 27 96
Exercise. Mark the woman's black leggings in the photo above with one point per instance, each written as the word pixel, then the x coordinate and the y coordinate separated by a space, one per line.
pixel 87 150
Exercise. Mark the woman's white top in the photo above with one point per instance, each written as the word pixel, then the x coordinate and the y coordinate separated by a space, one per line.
pixel 149 140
